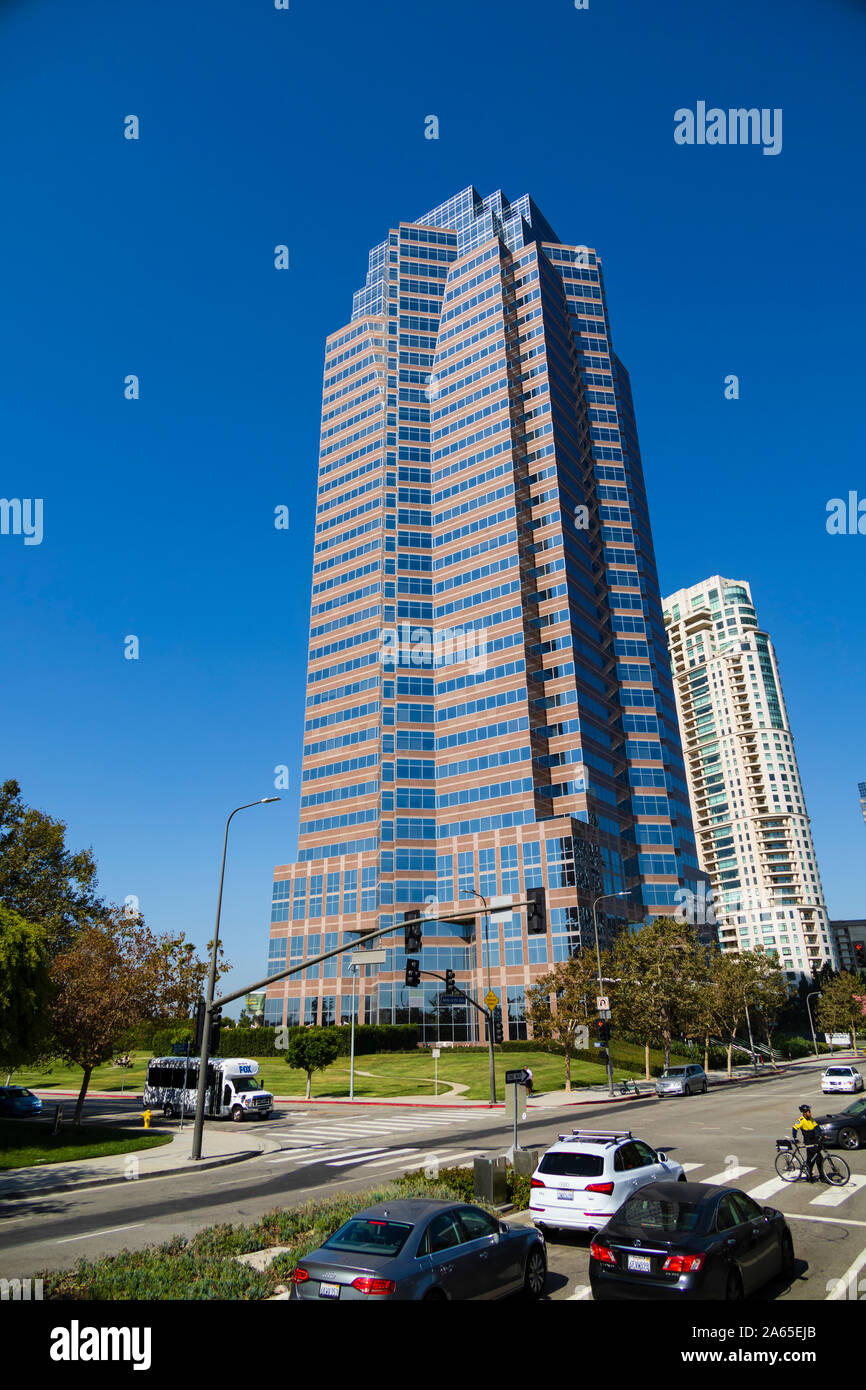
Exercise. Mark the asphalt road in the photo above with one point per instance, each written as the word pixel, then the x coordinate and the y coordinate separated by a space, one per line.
pixel 727 1136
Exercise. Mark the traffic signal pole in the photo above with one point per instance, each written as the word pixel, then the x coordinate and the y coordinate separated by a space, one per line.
pixel 488 1015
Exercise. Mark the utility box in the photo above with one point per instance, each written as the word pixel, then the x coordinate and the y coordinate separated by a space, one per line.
pixel 525 1162
pixel 490 1181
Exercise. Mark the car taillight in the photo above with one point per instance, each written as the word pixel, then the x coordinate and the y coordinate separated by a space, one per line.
pixel 365 1283
pixel 683 1264
pixel 536 1182
pixel 601 1253
pixel 299 1275
pixel 606 1187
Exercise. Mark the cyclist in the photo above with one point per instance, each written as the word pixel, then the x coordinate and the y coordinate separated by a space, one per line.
pixel 813 1139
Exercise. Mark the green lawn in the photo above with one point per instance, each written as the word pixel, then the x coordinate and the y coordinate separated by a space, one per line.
pixel 25 1143
pixel 383 1074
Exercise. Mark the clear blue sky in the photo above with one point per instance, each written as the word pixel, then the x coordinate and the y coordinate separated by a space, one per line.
pixel 306 127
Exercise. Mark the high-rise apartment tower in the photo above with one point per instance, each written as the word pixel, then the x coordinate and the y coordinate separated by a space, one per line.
pixel 753 833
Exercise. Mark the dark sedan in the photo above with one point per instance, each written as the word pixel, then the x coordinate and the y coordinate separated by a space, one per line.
pixel 17 1103
pixel 417 1249
pixel 689 1241
pixel 847 1129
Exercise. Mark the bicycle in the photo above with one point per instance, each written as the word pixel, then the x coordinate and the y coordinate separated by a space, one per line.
pixel 792 1163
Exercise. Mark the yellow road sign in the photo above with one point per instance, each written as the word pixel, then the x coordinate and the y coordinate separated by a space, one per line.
pixel 491 999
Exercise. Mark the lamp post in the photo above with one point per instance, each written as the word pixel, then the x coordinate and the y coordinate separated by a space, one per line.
pixel 355 973
pixel 749 1026
pixel 811 1023
pixel 598 900
pixel 211 984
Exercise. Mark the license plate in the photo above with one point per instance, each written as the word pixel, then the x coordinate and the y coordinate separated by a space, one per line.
pixel 641 1264
pixel 565 1195
pixel 329 1290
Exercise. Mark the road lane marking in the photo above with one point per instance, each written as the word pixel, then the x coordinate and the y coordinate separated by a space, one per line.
pixel 767 1189
pixel 848 1281
pixel 822 1220
pixel 376 1153
pixel 729 1175
pixel 384 1162
pixel 582 1291
pixel 837 1195
pixel 690 1167
pixel 109 1230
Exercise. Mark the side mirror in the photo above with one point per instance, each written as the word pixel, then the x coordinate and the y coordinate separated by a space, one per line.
pixel 504 1227
pixel 661 1156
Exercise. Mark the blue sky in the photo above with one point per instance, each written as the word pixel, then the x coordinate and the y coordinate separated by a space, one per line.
pixel 306 127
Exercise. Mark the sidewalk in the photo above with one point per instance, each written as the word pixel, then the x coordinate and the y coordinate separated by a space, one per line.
pixel 218 1150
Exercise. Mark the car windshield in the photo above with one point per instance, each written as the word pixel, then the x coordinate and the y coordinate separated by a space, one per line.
pixel 858 1108
pixel 366 1236
pixel 245 1083
pixel 838 1071
pixel 661 1213
pixel 572 1165
pixel 673 1071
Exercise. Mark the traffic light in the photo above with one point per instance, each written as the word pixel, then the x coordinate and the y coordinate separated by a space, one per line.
pixel 536 912
pixel 603 1027
pixel 216 1018
pixel 199 1025
pixel 413 938
pixel 497 1025
pixel 449 981
pixel 413 973
pixel 859 955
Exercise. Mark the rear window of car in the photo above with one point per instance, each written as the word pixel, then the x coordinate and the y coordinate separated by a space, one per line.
pixel 572 1165
pixel 661 1214
pixel 363 1236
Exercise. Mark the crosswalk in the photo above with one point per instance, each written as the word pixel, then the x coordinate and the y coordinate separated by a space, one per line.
pixel 734 1173
pixel 328 1140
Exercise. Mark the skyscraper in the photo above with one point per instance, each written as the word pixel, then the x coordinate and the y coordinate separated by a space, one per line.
pixel 489 701
pixel 753 832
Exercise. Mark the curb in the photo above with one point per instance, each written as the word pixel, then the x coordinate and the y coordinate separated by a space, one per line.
pixel 223 1162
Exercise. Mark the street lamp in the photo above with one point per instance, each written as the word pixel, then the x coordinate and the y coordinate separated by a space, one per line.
pixel 811 1024
pixel 598 900
pixel 749 1026
pixel 211 984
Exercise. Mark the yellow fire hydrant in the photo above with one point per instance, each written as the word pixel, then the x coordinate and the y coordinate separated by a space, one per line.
pixel 146 1118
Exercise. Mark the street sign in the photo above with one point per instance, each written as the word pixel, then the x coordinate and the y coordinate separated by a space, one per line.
pixel 360 958
pixel 491 999
pixel 436 1053
pixel 499 906
pixel 604 1013
pixel 602 1003
pixel 451 998
pixel 517 1078
pixel 515 1105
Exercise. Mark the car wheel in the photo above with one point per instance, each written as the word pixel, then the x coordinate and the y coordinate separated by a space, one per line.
pixel 535 1276
pixel 704 1089
pixel 237 1112
pixel 789 1264
pixel 734 1287
pixel 434 1296
pixel 849 1138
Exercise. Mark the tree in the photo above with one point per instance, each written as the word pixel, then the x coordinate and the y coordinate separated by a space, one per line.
pixel 40 879
pixel 25 988
pixel 111 978
pixel 769 989
pixel 840 1007
pixel 571 984
pixel 657 974
pixel 312 1049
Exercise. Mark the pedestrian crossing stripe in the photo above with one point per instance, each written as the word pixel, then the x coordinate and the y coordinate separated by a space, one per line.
pixel 832 1197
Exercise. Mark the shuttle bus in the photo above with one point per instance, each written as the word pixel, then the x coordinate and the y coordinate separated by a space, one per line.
pixel 232 1089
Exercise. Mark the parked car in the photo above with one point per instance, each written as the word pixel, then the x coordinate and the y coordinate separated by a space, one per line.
pixel 587 1175
pixel 681 1081
pixel 841 1078
pixel 847 1129
pixel 418 1249
pixel 690 1241
pixel 17 1103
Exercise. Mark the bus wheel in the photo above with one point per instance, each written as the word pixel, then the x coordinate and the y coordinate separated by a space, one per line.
pixel 237 1112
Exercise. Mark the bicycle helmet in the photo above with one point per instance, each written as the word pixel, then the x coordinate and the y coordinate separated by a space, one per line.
pixel 804 1109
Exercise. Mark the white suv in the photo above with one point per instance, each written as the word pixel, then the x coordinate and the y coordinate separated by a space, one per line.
pixel 841 1079
pixel 585 1177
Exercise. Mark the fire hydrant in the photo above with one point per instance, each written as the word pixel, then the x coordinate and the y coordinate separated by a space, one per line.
pixel 146 1117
